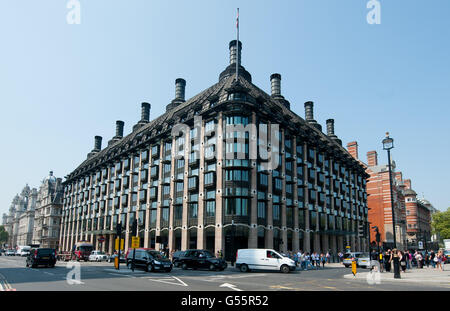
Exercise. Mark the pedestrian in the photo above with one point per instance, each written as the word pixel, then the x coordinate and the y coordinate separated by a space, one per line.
pixel 328 257
pixel 309 261
pixel 388 261
pixel 419 258
pixel 340 255
pixel 317 260
pixel 432 259
pixel 303 261
pixel 408 260
pixel 323 258
pixel 403 261
pixel 295 258
pixel 381 261
pixel 427 259
pixel 439 261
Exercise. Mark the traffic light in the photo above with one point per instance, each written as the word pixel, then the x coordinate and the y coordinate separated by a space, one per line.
pixel 134 228
pixel 360 230
pixel 119 230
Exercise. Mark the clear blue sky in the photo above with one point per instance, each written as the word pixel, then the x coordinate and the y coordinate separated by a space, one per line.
pixel 61 84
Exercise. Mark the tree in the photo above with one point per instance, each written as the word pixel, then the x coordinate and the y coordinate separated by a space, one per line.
pixel 3 235
pixel 441 224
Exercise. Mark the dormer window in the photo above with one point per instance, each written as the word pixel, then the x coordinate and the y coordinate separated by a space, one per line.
pixel 237 96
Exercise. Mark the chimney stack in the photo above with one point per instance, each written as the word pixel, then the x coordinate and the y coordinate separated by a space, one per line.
pixel 399 176
pixel 372 158
pixel 180 86
pixel 309 112
pixel 98 143
pixel 234 50
pixel 408 183
pixel 352 148
pixel 119 129
pixel 275 84
pixel 145 112
pixel 330 128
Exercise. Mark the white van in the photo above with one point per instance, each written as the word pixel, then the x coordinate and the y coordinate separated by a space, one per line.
pixel 263 259
pixel 23 250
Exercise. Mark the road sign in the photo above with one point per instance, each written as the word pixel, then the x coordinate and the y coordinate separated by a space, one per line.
pixel 101 239
pixel 135 242
pixel 420 245
pixel 121 244
pixel 354 267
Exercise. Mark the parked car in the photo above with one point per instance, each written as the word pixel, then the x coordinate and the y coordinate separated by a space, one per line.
pixel 263 259
pixel 113 256
pixel 10 252
pixel 98 256
pixel 176 258
pixel 363 260
pixel 200 258
pixel 41 256
pixel 349 257
pixel 148 259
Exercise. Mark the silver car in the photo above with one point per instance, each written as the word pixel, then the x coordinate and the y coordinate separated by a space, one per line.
pixel 363 260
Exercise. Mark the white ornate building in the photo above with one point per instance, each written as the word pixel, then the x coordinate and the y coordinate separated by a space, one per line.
pixel 35 216
pixel 20 220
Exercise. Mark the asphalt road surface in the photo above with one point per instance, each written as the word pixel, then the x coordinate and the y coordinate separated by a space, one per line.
pixel 14 275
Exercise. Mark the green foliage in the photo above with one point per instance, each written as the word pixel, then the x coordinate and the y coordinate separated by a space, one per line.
pixel 441 224
pixel 3 235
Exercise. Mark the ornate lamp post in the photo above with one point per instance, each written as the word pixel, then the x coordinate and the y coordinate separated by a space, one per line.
pixel 388 144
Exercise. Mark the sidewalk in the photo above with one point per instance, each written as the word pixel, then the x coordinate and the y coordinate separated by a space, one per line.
pixel 425 275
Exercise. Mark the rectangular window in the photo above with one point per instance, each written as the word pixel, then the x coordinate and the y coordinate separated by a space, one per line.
pixel 261 209
pixel 210 208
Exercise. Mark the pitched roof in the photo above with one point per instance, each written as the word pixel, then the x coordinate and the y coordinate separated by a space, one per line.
pixel 201 101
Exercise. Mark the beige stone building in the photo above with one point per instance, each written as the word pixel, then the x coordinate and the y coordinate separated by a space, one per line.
pixel 48 213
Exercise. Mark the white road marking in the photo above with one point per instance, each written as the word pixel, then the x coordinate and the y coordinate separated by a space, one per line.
pixel 231 286
pixel 170 280
pixel 117 274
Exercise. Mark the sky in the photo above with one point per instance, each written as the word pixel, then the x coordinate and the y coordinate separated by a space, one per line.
pixel 61 84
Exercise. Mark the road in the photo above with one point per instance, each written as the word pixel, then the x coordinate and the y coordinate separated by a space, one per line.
pixel 103 277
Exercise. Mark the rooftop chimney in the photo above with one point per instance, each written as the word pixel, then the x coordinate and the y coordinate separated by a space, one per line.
pixel 352 148
pixel 145 112
pixel 408 183
pixel 275 84
pixel 234 52
pixel 309 112
pixel 399 176
pixel 119 129
pixel 98 143
pixel 180 86
pixel 372 158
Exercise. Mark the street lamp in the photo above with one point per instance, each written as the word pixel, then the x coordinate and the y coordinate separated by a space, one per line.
pixel 388 144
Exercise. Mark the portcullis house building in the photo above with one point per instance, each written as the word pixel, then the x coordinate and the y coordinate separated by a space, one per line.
pixel 233 167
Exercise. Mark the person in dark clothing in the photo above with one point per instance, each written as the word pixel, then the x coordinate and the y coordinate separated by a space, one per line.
pixel 403 258
pixel 387 261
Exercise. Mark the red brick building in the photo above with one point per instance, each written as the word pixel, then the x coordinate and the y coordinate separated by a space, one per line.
pixel 379 199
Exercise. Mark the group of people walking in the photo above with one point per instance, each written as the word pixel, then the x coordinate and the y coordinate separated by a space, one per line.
pixel 307 261
pixel 409 260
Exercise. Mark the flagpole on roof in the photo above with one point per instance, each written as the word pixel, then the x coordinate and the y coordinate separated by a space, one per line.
pixel 237 45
